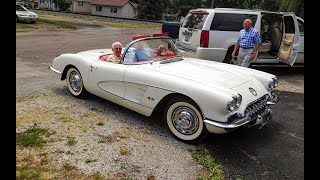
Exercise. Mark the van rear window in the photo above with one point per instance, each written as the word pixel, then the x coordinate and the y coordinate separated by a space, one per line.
pixel 195 20
pixel 230 21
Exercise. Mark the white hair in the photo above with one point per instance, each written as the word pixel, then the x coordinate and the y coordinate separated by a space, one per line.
pixel 248 20
pixel 116 43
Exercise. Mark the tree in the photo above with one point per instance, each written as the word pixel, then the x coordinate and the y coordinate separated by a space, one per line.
pixel 248 4
pixel 63 4
pixel 152 9
pixel 183 6
pixel 296 6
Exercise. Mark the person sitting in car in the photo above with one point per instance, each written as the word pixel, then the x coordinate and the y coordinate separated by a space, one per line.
pixel 116 49
pixel 143 52
pixel 162 51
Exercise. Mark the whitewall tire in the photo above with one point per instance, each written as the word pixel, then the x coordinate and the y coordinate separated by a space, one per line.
pixel 184 120
pixel 75 83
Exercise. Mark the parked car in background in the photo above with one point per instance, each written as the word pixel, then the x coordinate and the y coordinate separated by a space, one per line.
pixel 212 33
pixel 171 28
pixel 24 15
pixel 194 96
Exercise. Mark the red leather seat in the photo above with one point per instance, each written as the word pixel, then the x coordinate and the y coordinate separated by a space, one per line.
pixel 140 36
pixel 104 57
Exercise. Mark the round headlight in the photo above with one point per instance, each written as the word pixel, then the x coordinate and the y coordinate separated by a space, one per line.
pixel 275 80
pixel 234 103
pixel 273 83
pixel 239 100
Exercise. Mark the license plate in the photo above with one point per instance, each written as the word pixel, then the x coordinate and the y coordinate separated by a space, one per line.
pixel 187 39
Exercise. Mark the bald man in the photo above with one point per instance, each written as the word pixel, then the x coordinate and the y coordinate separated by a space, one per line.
pixel 249 42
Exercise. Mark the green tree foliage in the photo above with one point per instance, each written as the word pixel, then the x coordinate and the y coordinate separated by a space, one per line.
pixel 269 5
pixel 183 6
pixel 152 9
pixel 248 4
pixel 63 4
pixel 296 6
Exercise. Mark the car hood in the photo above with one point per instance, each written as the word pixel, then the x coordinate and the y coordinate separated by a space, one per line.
pixel 26 12
pixel 207 72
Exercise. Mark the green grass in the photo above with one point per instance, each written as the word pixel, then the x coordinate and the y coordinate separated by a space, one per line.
pixel 71 141
pixel 44 23
pixel 212 171
pixel 32 137
pixel 26 172
pixel 111 24
pixel 22 26
pixel 59 24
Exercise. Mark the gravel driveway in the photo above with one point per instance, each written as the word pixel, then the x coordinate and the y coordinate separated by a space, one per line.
pixel 97 136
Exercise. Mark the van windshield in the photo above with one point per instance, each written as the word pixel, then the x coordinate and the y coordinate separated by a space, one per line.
pixel 195 20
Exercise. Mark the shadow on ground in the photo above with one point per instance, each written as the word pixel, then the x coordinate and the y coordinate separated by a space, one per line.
pixel 274 152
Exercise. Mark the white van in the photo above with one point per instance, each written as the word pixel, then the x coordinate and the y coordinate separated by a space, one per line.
pixel 212 33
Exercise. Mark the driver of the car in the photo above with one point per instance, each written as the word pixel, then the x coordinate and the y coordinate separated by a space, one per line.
pixel 116 49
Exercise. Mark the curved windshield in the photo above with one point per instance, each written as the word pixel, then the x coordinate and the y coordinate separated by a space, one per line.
pixel 150 50
pixel 20 8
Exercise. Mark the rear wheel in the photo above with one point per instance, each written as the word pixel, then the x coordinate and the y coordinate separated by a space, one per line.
pixel 75 83
pixel 228 57
pixel 185 120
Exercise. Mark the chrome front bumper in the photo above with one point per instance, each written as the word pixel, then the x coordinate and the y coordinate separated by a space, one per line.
pixel 262 119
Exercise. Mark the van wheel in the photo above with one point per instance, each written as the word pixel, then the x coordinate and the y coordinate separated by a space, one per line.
pixel 228 57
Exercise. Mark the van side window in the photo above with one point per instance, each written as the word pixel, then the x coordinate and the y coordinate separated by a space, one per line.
pixel 195 20
pixel 289 25
pixel 230 21
pixel 301 27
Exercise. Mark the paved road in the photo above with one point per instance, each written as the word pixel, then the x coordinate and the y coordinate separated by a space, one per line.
pixel 274 152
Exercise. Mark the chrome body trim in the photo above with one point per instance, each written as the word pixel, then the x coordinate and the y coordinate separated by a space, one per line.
pixel 54 70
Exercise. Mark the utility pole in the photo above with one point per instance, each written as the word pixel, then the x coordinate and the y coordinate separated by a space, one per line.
pixel 212 1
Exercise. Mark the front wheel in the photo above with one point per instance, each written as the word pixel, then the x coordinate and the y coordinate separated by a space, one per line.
pixel 75 83
pixel 185 120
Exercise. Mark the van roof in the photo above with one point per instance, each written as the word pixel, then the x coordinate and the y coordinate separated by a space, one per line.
pixel 236 9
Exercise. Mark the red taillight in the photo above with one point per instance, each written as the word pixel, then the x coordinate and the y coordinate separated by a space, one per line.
pixel 204 39
pixel 162 28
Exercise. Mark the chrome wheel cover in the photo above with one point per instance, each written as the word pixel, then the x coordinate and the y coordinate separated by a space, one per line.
pixel 75 81
pixel 185 120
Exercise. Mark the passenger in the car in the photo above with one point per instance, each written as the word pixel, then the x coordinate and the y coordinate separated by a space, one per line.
pixel 143 52
pixel 116 49
pixel 162 51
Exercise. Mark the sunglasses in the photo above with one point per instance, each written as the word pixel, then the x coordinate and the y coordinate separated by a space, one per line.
pixel 118 48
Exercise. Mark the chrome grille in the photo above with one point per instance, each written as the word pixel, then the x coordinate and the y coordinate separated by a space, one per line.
pixel 256 108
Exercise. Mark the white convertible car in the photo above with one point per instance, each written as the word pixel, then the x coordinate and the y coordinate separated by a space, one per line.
pixel 196 96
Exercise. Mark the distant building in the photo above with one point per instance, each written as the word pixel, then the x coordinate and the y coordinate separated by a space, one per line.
pixel 114 8
pixel 81 6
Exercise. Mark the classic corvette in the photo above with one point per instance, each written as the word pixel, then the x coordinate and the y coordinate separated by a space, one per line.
pixel 194 96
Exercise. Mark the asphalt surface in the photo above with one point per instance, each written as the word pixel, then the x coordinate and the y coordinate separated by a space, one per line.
pixel 274 152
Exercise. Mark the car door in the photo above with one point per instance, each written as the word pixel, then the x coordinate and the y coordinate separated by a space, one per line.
pixel 300 57
pixel 106 79
pixel 289 47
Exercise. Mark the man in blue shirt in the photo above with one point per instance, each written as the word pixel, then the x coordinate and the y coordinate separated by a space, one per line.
pixel 249 42
pixel 143 52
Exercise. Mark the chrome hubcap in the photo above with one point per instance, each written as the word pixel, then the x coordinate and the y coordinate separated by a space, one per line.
pixel 75 81
pixel 185 120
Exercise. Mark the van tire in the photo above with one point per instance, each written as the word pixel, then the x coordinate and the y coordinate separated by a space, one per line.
pixel 228 57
